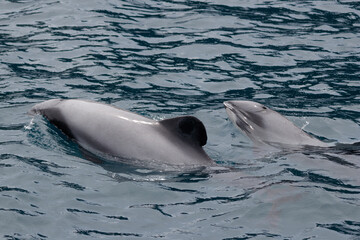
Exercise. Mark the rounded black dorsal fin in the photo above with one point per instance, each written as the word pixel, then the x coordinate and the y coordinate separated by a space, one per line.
pixel 187 126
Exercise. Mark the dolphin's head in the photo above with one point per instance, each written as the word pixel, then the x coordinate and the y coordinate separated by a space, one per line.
pixel 261 124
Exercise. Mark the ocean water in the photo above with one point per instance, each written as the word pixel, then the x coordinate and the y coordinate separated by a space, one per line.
pixel 163 59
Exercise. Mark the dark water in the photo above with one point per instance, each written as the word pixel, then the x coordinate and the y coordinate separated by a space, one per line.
pixel 168 58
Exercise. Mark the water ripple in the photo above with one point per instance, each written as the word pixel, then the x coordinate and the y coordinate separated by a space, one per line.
pixel 96 232
pixel 6 189
pixel 42 165
pixel 347 227
pixel 18 211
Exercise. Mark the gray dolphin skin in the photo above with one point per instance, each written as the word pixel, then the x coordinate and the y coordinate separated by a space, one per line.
pixel 104 129
pixel 265 126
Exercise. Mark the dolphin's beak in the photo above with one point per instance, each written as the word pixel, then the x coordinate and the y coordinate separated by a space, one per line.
pixel 237 117
pixel 228 105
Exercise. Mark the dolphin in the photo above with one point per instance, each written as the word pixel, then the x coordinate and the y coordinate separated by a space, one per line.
pixel 106 130
pixel 265 126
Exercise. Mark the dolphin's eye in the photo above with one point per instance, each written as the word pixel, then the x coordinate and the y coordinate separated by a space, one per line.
pixel 264 107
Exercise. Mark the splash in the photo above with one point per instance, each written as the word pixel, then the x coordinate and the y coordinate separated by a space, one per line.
pixel 30 125
pixel 305 125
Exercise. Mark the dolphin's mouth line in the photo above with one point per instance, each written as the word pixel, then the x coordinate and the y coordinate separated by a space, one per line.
pixel 242 122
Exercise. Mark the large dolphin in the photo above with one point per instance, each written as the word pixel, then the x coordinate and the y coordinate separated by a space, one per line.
pixel 265 126
pixel 103 129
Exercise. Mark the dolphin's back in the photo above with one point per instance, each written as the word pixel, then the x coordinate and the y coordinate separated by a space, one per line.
pixel 95 126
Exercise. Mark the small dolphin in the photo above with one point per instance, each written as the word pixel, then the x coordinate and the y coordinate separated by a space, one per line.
pixel 103 129
pixel 263 125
